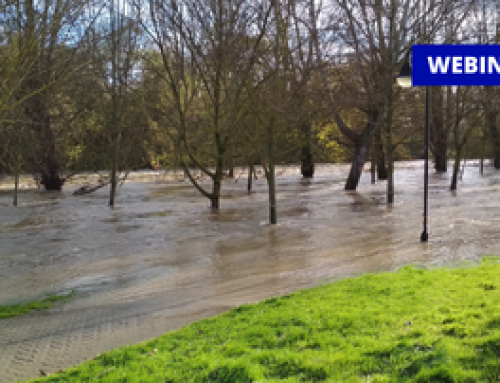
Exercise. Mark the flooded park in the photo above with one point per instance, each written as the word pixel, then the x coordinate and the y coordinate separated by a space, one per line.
pixel 161 259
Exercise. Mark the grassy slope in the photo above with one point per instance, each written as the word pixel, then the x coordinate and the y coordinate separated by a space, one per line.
pixel 7 311
pixel 417 325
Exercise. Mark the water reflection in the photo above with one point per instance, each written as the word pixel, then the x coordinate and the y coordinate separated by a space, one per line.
pixel 161 258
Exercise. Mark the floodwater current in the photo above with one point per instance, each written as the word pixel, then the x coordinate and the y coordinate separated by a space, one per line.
pixel 161 259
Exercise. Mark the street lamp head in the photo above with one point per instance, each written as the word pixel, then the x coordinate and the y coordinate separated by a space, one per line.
pixel 404 78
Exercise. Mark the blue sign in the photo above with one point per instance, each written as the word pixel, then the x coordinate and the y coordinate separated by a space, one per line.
pixel 455 65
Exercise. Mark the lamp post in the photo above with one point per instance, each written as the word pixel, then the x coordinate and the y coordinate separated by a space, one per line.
pixel 404 80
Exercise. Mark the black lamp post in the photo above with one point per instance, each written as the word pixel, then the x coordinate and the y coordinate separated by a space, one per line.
pixel 404 80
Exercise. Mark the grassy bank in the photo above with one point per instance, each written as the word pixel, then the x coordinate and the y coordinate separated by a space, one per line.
pixel 7 311
pixel 412 325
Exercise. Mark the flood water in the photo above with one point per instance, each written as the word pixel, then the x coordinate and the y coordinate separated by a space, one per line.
pixel 161 259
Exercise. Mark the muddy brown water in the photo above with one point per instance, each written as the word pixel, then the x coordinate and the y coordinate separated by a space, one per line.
pixel 161 259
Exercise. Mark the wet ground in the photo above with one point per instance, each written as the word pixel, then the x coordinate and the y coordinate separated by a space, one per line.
pixel 161 259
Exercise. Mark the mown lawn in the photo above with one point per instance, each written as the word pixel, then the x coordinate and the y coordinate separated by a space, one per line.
pixel 420 325
pixel 7 311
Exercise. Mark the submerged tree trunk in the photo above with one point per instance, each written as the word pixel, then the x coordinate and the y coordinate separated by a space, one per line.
pixel 357 165
pixel 271 177
pixel 216 176
pixel 307 167
pixel 51 178
pixel 361 153
pixel 219 172
pixel 389 148
pixel 112 193
pixel 217 180
pixel 250 175
pixel 456 168
pixel 114 171
pixel 483 147
pixel 215 198
pixel 380 154
pixel 230 161
pixel 440 161
pixel 16 182
pixel 373 168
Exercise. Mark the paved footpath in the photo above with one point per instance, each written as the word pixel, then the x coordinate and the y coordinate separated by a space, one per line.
pixel 57 339
pixel 74 332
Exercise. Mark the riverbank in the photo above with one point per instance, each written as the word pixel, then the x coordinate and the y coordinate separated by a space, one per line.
pixel 414 324
pixel 26 181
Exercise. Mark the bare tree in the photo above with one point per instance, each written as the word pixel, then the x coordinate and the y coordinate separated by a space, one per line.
pixel 209 52
pixel 123 59
pixel 372 37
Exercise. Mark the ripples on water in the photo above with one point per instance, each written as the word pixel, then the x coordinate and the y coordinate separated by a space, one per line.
pixel 163 236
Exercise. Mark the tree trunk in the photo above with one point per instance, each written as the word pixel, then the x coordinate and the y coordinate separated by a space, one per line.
pixel 456 168
pixel 491 121
pixel 16 182
pixel 440 162
pixel 112 193
pixel 216 188
pixel 390 179
pixel 361 153
pixel 373 168
pixel 114 171
pixel 230 161
pixel 114 98
pixel 356 167
pixel 51 179
pixel 389 148
pixel 219 172
pixel 439 131
pixel 483 145
pixel 440 155
pixel 250 175
pixel 380 154
pixel 214 200
pixel 307 167
pixel 217 180
pixel 273 214
pixel 390 170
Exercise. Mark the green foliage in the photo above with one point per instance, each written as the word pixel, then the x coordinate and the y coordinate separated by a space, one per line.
pixel 329 149
pixel 411 325
pixel 7 311
pixel 74 154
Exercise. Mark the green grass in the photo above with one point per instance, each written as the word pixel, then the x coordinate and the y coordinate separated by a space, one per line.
pixel 416 325
pixel 7 311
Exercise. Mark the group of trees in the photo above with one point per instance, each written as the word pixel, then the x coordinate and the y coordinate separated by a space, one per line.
pixel 211 84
